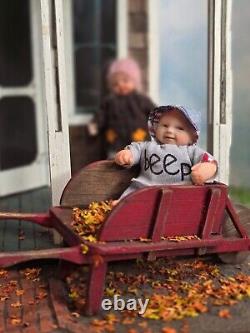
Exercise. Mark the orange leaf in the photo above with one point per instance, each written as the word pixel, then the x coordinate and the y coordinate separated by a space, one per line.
pixel 224 313
pixel 168 330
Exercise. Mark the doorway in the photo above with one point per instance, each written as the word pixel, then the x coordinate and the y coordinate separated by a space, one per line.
pixel 23 147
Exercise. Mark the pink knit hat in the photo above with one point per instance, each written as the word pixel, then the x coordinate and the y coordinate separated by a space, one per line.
pixel 127 66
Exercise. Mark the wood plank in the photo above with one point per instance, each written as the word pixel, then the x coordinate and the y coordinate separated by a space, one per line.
pixel 11 230
pixel 28 300
pixel 47 318
pixel 3 316
pixel 63 314
pixel 26 229
pixel 3 207
pixel 12 312
pixel 41 202
pixel 58 302
pixel 216 201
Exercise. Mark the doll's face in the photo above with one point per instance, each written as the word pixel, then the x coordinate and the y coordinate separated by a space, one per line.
pixel 122 84
pixel 174 129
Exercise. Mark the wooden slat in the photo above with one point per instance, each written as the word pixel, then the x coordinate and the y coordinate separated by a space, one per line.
pixel 114 248
pixel 64 317
pixel 3 207
pixel 29 305
pixel 47 318
pixel 213 206
pixel 12 312
pixel 41 202
pixel 11 230
pixel 26 229
pixel 2 315
pixel 162 215
pixel 58 302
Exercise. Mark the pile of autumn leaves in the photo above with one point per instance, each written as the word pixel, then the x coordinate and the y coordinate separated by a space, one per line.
pixel 87 222
pixel 176 289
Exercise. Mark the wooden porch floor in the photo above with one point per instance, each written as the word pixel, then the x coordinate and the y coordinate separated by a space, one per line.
pixel 20 235
pixel 31 305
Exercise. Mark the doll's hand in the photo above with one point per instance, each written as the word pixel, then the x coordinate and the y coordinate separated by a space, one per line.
pixel 92 129
pixel 124 157
pixel 201 172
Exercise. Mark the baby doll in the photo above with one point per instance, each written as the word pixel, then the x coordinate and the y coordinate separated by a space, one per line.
pixel 172 156
pixel 124 113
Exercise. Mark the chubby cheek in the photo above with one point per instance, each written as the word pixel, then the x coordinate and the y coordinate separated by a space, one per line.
pixel 159 134
pixel 184 139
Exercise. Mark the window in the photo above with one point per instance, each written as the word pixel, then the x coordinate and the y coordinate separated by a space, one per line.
pixel 182 55
pixel 94 45
pixel 18 144
pixel 15 57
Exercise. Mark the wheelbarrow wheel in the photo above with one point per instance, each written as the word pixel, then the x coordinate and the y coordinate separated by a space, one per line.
pixel 229 231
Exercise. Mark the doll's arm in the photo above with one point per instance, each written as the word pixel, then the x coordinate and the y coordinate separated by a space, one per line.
pixel 203 171
pixel 131 155
pixel 124 157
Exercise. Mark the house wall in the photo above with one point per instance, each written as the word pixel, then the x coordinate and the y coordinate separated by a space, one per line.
pixel 85 149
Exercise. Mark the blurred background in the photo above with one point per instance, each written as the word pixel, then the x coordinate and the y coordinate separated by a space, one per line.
pixel 168 38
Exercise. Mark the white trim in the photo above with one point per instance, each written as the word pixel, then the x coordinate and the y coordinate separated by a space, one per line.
pixel 41 124
pixel 216 79
pixel 153 50
pixel 25 178
pixel 122 28
pixel 80 119
pixel 59 153
pixel 226 129
pixel 69 55
pixel 28 90
pixel 222 132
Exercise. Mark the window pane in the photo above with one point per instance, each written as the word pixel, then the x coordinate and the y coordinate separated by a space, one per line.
pixel 183 29
pixel 108 21
pixel 15 50
pixel 240 149
pixel 94 47
pixel 87 76
pixel 84 21
pixel 18 144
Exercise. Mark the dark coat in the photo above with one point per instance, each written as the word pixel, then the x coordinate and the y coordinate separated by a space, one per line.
pixel 123 119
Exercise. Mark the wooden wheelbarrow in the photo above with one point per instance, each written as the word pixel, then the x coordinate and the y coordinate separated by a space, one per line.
pixel 160 214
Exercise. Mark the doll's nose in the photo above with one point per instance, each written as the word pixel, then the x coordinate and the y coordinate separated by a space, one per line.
pixel 170 129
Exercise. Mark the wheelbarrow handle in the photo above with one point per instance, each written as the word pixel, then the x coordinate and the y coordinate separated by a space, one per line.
pixel 43 219
pixel 72 254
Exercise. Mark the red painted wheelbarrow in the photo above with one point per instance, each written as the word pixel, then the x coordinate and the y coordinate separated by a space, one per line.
pixel 204 214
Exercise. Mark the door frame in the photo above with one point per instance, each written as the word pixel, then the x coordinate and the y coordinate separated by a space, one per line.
pixel 55 94
pixel 220 85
